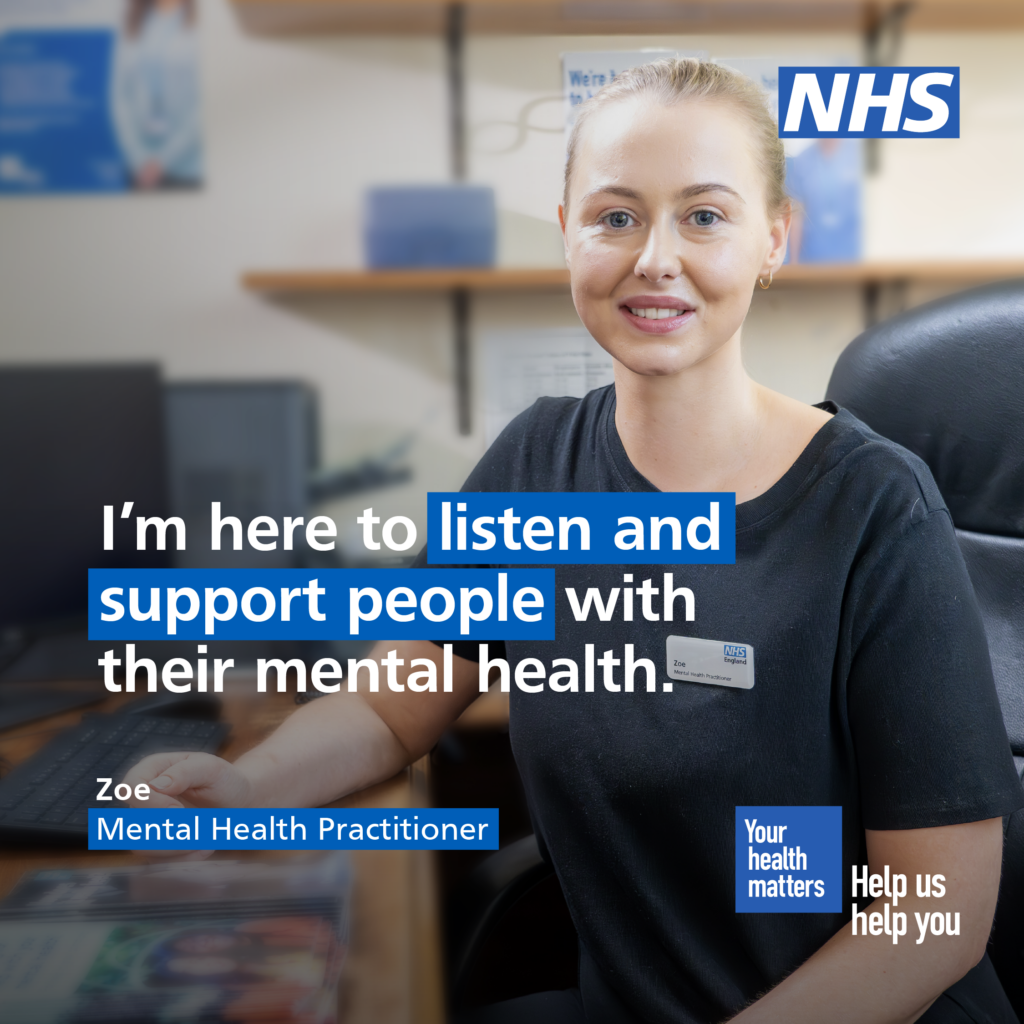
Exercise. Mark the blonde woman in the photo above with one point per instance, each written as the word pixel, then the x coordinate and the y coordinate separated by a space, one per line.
pixel 156 94
pixel 873 689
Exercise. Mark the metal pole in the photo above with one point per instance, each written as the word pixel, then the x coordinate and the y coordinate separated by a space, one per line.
pixel 460 326
pixel 455 37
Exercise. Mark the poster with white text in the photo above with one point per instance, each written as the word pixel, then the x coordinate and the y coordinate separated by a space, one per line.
pixel 99 96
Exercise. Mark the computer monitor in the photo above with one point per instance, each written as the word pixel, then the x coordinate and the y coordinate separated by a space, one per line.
pixel 250 446
pixel 72 439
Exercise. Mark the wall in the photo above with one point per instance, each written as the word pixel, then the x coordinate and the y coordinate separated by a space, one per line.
pixel 295 130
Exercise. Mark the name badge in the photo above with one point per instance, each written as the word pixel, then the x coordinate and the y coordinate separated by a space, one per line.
pixel 710 661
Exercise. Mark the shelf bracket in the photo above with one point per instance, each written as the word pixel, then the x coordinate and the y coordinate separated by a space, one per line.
pixel 455 51
pixel 883 37
pixel 875 291
pixel 872 295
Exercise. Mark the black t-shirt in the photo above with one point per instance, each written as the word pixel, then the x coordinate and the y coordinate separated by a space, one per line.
pixel 873 691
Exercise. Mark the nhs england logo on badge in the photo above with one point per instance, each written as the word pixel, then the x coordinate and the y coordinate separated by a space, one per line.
pixel 869 103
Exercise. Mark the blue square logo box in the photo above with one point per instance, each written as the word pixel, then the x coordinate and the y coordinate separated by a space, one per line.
pixel 789 860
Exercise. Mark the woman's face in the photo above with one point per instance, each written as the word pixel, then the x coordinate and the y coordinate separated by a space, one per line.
pixel 666 230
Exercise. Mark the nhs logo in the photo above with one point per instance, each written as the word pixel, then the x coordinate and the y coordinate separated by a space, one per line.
pixel 869 103
pixel 734 651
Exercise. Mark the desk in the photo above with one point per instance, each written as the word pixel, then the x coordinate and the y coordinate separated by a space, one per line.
pixel 392 973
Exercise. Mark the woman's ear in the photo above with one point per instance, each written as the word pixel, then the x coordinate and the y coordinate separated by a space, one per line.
pixel 561 224
pixel 778 236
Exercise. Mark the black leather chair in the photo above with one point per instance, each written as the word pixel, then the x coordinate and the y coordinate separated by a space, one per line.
pixel 482 900
pixel 946 380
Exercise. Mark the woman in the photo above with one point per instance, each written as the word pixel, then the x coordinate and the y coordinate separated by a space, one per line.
pixel 156 95
pixel 873 689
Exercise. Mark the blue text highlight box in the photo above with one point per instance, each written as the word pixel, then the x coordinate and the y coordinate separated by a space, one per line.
pixel 325 604
pixel 290 828
pixel 789 860
pixel 869 103
pixel 581 528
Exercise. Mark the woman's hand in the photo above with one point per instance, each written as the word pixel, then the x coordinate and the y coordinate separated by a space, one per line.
pixel 190 780
pixel 327 749
pixel 149 175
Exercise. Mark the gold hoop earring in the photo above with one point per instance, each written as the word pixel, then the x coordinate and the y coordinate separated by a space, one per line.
pixel 761 283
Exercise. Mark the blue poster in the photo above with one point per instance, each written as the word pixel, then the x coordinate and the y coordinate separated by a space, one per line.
pixel 825 180
pixel 99 96
pixel 825 177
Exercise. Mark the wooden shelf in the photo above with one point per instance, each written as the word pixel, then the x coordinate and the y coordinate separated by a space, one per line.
pixel 876 20
pixel 356 282
pixel 360 281
pixel 894 272
pixel 613 17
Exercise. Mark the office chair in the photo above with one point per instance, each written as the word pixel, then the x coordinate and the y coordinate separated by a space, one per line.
pixel 490 890
pixel 946 380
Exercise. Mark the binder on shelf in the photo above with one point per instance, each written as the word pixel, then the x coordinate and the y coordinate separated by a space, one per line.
pixel 430 226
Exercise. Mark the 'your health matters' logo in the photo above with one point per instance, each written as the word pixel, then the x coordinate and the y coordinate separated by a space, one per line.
pixel 875 103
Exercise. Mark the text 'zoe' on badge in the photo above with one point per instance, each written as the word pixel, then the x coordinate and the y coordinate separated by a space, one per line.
pixel 710 661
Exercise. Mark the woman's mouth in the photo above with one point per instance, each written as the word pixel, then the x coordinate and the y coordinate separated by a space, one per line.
pixel 661 318
pixel 653 313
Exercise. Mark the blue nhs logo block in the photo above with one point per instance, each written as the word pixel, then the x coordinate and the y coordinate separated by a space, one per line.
pixel 734 651
pixel 869 103
pixel 789 860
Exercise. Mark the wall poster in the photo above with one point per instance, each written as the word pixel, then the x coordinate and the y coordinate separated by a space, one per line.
pixel 99 96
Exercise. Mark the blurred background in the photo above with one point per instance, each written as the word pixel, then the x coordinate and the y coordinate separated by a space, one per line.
pixel 302 257
pixel 301 107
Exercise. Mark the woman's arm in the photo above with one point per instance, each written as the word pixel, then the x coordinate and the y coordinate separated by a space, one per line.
pixel 330 747
pixel 866 978
pixel 182 142
pixel 125 105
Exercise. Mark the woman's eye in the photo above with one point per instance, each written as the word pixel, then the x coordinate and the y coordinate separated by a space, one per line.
pixel 619 219
pixel 705 218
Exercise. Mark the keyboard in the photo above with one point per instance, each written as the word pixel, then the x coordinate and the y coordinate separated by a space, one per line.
pixel 46 799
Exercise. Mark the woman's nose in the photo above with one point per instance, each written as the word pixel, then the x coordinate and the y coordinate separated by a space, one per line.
pixel 660 256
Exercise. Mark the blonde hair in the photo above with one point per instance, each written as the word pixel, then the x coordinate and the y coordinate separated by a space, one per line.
pixel 667 82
